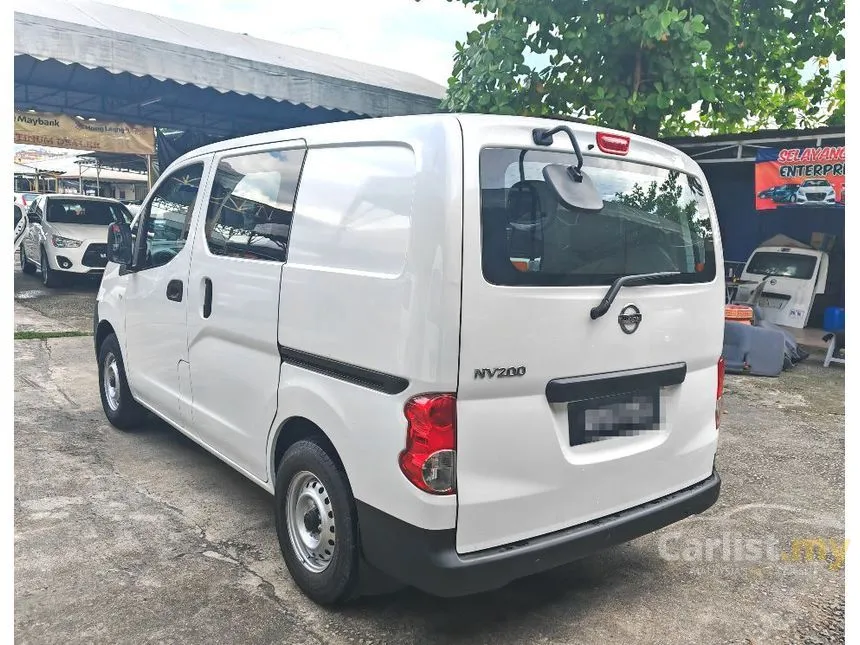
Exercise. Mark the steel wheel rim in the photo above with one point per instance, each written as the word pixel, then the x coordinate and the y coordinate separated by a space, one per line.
pixel 111 382
pixel 310 522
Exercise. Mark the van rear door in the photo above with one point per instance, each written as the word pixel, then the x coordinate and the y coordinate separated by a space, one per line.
pixel 792 279
pixel 563 418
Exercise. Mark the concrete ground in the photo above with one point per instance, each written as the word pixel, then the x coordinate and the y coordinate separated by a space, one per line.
pixel 144 537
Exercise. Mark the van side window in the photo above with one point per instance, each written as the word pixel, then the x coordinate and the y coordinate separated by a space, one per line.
pixel 165 220
pixel 355 210
pixel 251 205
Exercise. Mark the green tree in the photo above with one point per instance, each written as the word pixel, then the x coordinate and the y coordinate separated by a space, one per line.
pixel 643 65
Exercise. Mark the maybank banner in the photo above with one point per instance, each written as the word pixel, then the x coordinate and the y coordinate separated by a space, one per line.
pixel 62 131
pixel 800 177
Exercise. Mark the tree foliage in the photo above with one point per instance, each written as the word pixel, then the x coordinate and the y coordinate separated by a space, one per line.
pixel 643 65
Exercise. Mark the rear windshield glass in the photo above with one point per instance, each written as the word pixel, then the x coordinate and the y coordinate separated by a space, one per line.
pixel 652 220
pixel 81 211
pixel 788 265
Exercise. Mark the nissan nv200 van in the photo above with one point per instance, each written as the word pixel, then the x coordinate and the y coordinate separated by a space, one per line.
pixel 457 349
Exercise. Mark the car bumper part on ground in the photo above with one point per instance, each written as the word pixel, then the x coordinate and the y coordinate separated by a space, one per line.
pixel 428 560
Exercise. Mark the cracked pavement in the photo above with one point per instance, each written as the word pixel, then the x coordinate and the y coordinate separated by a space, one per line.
pixel 145 538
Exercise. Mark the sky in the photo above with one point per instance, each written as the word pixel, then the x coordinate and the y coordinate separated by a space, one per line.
pixel 416 37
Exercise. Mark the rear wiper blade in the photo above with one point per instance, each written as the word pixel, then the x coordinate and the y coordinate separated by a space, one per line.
pixel 627 281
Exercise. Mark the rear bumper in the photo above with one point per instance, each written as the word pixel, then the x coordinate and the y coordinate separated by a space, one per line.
pixel 428 560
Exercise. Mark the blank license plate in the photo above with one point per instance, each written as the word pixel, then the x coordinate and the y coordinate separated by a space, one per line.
pixel 772 303
pixel 619 415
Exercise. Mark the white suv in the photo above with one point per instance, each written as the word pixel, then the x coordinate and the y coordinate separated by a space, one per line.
pixel 67 234
pixel 816 191
pixel 338 312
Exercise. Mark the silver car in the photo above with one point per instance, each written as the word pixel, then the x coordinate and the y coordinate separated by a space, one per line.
pixel 816 191
pixel 67 234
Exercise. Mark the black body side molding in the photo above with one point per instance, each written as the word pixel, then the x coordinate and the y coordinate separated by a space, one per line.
pixel 371 379
pixel 592 386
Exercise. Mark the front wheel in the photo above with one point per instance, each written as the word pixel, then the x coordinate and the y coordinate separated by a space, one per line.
pixel 317 524
pixel 119 406
pixel 50 277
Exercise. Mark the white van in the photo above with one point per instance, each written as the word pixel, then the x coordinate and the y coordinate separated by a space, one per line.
pixel 794 274
pixel 342 318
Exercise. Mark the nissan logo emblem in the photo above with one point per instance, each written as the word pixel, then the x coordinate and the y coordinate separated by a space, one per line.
pixel 629 319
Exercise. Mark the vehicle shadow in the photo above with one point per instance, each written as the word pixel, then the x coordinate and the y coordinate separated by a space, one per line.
pixel 525 610
pixel 522 607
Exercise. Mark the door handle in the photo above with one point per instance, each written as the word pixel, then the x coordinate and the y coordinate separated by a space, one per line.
pixel 174 290
pixel 207 297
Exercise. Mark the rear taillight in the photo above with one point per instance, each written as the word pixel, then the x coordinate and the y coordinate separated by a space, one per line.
pixel 429 461
pixel 613 144
pixel 721 378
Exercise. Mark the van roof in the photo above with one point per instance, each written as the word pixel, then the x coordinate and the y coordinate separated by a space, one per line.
pixel 392 128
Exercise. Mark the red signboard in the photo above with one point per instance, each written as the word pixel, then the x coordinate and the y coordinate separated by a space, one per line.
pixel 800 177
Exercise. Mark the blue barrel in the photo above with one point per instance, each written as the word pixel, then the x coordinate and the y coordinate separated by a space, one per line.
pixel 834 319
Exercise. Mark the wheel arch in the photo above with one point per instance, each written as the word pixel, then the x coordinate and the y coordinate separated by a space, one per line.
pixel 103 330
pixel 294 429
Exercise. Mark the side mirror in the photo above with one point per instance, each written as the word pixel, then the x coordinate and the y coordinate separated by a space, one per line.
pixel 573 187
pixel 119 244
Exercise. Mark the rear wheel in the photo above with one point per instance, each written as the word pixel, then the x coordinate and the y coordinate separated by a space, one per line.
pixel 50 277
pixel 317 524
pixel 26 266
pixel 119 406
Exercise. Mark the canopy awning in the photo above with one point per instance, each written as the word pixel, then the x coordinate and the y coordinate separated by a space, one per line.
pixel 89 58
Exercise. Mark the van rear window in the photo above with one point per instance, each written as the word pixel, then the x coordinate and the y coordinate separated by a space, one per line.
pixel 787 265
pixel 653 220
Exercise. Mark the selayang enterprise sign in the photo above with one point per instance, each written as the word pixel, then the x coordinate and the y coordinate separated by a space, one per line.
pixel 794 177
pixel 812 162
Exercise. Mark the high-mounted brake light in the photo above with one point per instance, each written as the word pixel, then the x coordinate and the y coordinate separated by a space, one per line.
pixel 429 460
pixel 613 144
pixel 721 379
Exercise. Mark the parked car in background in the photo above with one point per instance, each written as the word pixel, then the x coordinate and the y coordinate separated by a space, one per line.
pixel 20 224
pixel 25 199
pixel 816 191
pixel 67 234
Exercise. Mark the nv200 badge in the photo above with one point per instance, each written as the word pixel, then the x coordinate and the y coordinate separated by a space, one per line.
pixel 500 372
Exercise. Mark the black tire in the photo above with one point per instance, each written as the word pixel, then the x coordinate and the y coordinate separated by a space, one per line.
pixel 339 581
pixel 50 277
pixel 26 266
pixel 127 414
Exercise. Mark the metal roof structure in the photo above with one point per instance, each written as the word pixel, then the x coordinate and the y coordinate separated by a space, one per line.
pixel 741 148
pixel 97 60
pixel 81 166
